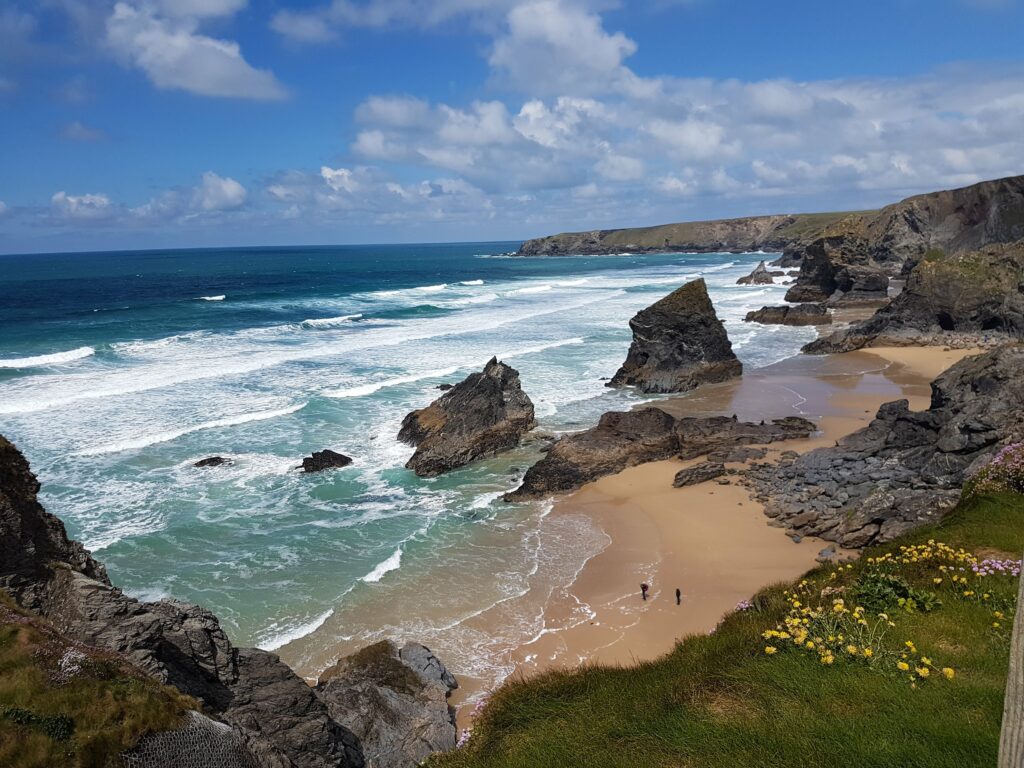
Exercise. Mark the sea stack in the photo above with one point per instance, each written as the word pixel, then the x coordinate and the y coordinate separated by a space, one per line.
pixel 760 276
pixel 678 344
pixel 482 416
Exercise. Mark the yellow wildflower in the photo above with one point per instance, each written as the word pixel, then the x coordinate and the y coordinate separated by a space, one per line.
pixel 902 666
pixel 948 672
pixel 868 653
pixel 770 649
pixel 923 671
pixel 852 650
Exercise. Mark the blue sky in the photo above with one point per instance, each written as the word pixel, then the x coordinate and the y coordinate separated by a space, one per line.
pixel 153 123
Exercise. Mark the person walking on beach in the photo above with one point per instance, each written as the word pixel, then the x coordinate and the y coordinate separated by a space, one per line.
pixel 643 590
pixel 679 597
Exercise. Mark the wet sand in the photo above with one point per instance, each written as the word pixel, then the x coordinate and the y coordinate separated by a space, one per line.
pixel 711 541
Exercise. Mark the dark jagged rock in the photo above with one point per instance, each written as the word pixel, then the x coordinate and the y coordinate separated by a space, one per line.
pixel 906 468
pixel 482 416
pixel 972 297
pixel 737 455
pixel 213 461
pixel 678 344
pixel 798 314
pixel 625 439
pixel 395 701
pixel 891 241
pixel 760 276
pixel 278 715
pixel 325 459
pixel 699 473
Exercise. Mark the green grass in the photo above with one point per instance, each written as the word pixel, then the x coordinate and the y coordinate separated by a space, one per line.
pixel 82 720
pixel 718 700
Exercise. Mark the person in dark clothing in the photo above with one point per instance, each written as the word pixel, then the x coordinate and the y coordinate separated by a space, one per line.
pixel 679 597
pixel 643 590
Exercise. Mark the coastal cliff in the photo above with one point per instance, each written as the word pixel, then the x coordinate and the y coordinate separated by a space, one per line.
pixel 753 233
pixel 245 704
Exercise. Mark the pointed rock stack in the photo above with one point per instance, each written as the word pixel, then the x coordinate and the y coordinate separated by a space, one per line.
pixel 678 344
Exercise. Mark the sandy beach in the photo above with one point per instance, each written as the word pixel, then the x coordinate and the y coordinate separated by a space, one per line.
pixel 711 541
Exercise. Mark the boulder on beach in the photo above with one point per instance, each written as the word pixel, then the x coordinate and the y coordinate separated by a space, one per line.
pixel 395 700
pixel 325 459
pixel 699 473
pixel 625 439
pixel 678 344
pixel 798 314
pixel 760 276
pixel 481 416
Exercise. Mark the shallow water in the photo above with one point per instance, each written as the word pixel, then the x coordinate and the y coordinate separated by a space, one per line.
pixel 119 370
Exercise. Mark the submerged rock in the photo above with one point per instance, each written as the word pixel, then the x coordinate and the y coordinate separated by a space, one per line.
pixel 625 439
pixel 395 700
pixel 482 416
pixel 760 276
pixel 799 314
pixel 906 468
pixel 214 461
pixel 325 459
pixel 678 344
pixel 968 296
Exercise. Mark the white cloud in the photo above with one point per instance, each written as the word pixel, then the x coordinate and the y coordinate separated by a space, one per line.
pixel 339 179
pixel 87 206
pixel 217 193
pixel 174 55
pixel 302 27
pixel 76 131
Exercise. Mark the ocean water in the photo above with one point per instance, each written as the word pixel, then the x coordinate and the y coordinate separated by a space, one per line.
pixel 119 370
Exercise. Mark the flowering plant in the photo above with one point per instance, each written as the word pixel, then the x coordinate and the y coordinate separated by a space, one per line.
pixel 1004 473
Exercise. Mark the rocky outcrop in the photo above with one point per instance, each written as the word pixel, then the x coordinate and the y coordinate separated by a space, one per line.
pixel 906 468
pixel 213 461
pixel 482 416
pixel 760 276
pixel 325 459
pixel 678 344
pixel 278 715
pixel 699 473
pixel 747 235
pixel 626 439
pixel 976 296
pixel 799 314
pixel 891 241
pixel 395 700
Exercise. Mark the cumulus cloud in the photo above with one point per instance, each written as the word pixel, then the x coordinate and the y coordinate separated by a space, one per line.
pixel 217 193
pixel 163 40
pixel 87 206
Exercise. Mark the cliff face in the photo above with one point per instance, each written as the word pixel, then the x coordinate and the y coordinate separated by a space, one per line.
pixel 974 295
pixel 678 344
pixel 768 233
pixel 864 248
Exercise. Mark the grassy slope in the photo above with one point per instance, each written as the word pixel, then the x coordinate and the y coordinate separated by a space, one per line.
pixel 110 704
pixel 718 700
pixel 806 224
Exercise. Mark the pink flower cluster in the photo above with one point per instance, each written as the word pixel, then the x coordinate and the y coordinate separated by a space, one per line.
pixel 744 605
pixel 992 567
pixel 1004 473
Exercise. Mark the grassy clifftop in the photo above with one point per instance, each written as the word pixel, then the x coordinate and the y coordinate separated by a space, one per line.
pixel 915 677
pixel 67 705
pixel 774 232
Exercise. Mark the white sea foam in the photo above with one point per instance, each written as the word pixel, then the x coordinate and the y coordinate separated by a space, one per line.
pixel 213 298
pixel 275 638
pixel 540 348
pixel 393 563
pixel 369 389
pixel 163 437
pixel 472 282
pixel 530 289
pixel 329 322
pixel 57 358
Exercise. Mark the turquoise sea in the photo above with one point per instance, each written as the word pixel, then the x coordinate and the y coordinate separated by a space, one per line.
pixel 119 370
